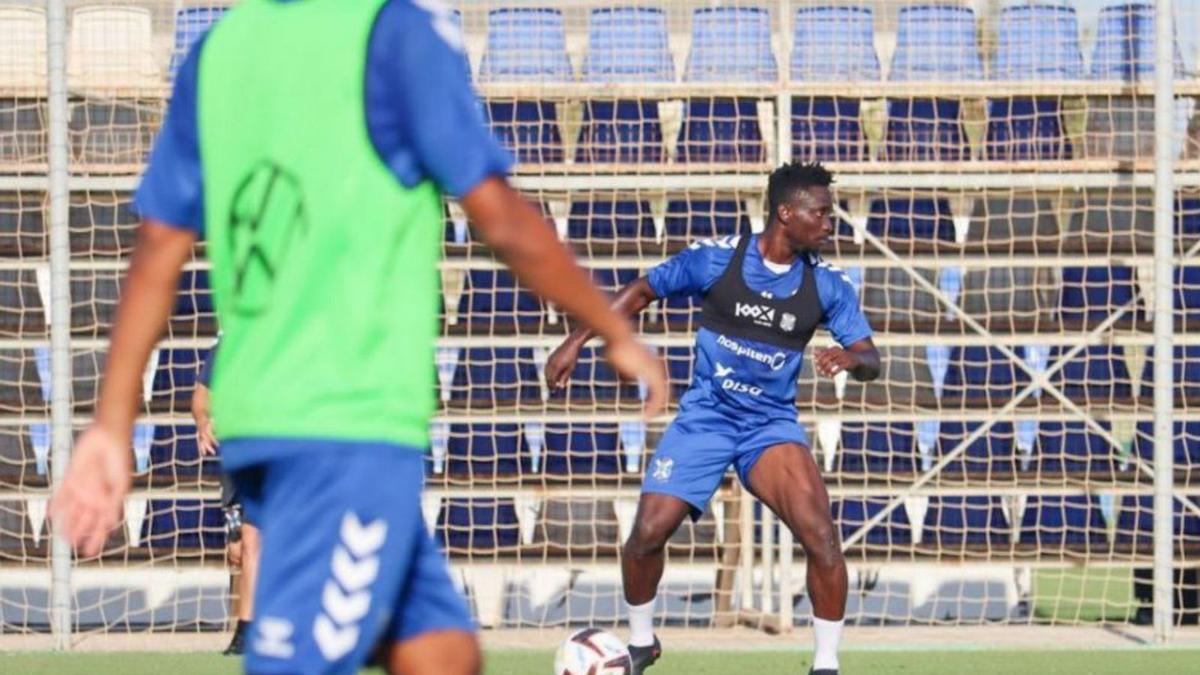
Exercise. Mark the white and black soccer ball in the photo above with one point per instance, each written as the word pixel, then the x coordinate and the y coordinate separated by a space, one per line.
pixel 592 651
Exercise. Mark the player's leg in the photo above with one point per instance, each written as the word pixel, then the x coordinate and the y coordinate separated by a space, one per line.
pixel 235 529
pixel 682 476
pixel 786 478
pixel 432 630
pixel 251 550
pixel 339 524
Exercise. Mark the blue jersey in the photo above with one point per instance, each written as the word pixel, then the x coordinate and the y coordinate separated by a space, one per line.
pixel 744 375
pixel 424 120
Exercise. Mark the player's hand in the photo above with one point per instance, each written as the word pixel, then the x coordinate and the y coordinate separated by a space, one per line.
pixel 88 504
pixel 634 361
pixel 559 365
pixel 205 437
pixel 834 360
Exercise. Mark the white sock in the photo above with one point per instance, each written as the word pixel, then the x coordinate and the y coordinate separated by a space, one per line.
pixel 641 624
pixel 828 634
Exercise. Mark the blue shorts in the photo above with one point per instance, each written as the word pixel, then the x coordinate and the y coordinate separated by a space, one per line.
pixel 703 441
pixel 346 559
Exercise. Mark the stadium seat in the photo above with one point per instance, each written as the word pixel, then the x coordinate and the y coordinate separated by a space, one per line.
pixel 850 514
pixel 190 24
pixel 1092 293
pixel 729 44
pixel 890 294
pixel 1036 42
pixel 23 50
pixel 484 451
pixel 831 44
pixel 933 43
pixel 1123 127
pixel 579 522
pixel 965 520
pixel 582 450
pixel 1185 361
pixel 1186 443
pixel 184 523
pixel 491 301
pixel 612 280
pixel 194 301
pixel 688 221
pixel 609 221
pixel 111 47
pixel 1187 293
pixel 1097 374
pixel 1070 447
pixel 526 45
pixel 625 44
pixel 594 382
pixel 488 376
pixel 174 453
pixel 175 377
pixel 990 453
pixel 1059 520
pixel 1135 522
pixel 983 374
pixel 475 525
pixel 879 449
pixel 911 219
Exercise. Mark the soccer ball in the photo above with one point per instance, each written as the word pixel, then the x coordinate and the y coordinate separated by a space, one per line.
pixel 592 651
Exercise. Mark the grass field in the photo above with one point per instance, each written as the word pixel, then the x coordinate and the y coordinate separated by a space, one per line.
pixel 518 662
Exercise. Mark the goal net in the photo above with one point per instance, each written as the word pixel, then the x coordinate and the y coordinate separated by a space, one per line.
pixel 994 175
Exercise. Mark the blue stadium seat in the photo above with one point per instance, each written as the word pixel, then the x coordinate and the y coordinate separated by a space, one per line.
pixel 184 523
pixel 1186 444
pixel 581 450
pixel 496 374
pixel 992 452
pixel 850 514
pixel 1135 522
pixel 1072 447
pixel 1092 293
pixel 194 299
pixel 1036 42
pixel 911 219
pixel 174 453
pixel 175 376
pixel 1096 374
pixel 1185 361
pixel 679 369
pixel 933 43
pixel 1125 44
pixel 612 280
pixel 625 44
pixel 1058 520
pixel 492 300
pixel 965 520
pixel 610 221
pixel 704 219
pixel 478 524
pixel 729 44
pixel 593 381
pixel 190 24
pixel 1187 292
pixel 526 45
pixel 983 373
pixel 831 44
pixel 484 450
pixel 877 448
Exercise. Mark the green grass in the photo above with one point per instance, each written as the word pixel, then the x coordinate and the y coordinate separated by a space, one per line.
pixel 933 662
pixel 1085 594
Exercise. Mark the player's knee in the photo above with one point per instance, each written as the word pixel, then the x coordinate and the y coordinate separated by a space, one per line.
pixel 647 538
pixel 822 545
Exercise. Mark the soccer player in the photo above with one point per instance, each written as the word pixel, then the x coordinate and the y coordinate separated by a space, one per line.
pixel 310 142
pixel 763 297
pixel 243 542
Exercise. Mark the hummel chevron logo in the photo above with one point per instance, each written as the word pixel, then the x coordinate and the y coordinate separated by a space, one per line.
pixel 346 597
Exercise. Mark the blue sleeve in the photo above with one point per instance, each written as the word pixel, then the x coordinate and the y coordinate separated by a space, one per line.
pixel 693 270
pixel 172 189
pixel 206 368
pixel 422 114
pixel 843 312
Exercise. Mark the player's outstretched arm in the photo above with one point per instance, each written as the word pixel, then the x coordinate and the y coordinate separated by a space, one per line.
pixel 860 359
pixel 87 506
pixel 521 238
pixel 630 300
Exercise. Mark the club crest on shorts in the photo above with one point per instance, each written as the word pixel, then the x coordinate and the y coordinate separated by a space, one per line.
pixel 662 469
pixel 787 322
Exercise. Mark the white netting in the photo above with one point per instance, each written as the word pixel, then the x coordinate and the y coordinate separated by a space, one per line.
pixel 1001 153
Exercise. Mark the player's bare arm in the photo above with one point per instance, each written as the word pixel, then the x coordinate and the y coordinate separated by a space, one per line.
pixel 87 505
pixel 629 301
pixel 860 359
pixel 522 239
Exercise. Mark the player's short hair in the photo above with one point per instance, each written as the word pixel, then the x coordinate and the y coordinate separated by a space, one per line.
pixel 792 177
